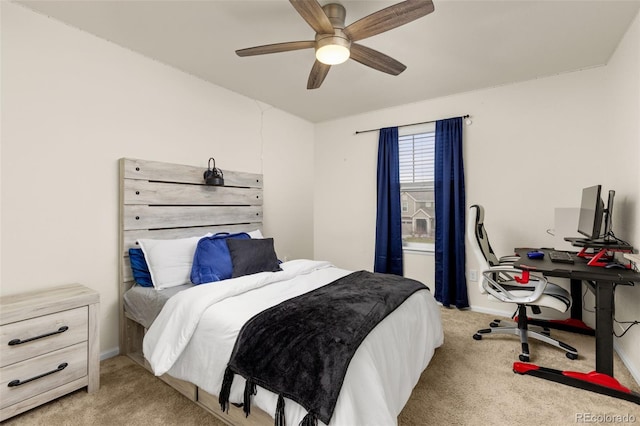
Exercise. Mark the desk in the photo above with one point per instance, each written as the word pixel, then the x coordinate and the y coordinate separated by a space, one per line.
pixel 599 280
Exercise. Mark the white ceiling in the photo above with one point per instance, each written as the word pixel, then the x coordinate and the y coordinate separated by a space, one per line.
pixel 462 46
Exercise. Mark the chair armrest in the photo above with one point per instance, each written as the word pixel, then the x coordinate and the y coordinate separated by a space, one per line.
pixel 509 259
pixel 497 287
pixel 504 273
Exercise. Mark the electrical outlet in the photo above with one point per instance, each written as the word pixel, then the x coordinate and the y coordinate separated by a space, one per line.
pixel 473 275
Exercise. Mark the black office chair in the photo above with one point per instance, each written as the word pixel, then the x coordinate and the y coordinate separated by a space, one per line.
pixel 507 284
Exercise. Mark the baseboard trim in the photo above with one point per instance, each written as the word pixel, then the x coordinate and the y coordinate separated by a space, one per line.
pixel 109 353
pixel 496 312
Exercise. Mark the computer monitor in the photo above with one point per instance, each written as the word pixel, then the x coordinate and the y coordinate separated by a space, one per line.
pixel 591 212
pixel 608 217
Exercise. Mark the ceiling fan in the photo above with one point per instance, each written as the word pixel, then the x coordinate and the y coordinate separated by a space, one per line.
pixel 335 42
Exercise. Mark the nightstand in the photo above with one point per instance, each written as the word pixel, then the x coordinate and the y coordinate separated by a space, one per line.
pixel 49 346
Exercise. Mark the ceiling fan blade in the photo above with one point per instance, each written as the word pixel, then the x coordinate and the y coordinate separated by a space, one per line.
pixel 388 18
pixel 376 60
pixel 312 12
pixel 317 75
pixel 275 48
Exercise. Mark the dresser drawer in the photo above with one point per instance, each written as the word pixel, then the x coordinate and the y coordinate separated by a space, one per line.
pixel 60 330
pixel 75 358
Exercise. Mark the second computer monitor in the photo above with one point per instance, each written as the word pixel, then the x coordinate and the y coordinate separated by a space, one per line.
pixel 608 217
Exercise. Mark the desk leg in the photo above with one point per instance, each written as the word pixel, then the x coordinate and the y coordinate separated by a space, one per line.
pixel 604 327
pixel 576 302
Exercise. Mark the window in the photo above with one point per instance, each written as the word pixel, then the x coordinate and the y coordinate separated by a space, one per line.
pixel 416 150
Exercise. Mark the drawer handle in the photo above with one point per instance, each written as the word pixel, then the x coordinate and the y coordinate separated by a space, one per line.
pixel 19 342
pixel 15 383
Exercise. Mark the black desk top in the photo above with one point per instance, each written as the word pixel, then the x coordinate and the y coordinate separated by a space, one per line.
pixel 577 270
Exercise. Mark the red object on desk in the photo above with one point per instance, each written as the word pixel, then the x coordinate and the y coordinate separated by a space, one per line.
pixel 601 258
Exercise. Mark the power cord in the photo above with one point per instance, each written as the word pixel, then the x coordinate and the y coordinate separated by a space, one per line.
pixel 610 235
pixel 583 302
pixel 631 323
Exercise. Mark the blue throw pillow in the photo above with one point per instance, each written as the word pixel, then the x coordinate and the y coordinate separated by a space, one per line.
pixel 140 268
pixel 212 261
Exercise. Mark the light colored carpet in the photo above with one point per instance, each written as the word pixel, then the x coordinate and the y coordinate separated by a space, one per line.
pixel 468 382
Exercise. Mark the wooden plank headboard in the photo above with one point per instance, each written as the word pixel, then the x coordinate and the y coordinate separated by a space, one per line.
pixel 163 200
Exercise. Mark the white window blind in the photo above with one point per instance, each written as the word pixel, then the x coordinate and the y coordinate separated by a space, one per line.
pixel 416 153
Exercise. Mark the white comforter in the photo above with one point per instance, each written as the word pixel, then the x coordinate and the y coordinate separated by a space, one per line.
pixel 193 337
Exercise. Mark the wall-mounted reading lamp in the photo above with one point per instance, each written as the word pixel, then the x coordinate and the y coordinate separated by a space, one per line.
pixel 213 176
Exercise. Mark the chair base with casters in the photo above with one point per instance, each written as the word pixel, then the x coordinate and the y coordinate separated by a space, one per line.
pixel 524 331
pixel 525 290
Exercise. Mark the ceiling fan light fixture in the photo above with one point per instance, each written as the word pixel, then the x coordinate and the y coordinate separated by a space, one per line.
pixel 332 50
pixel 332 54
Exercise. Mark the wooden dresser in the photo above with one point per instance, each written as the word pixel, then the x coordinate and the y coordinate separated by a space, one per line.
pixel 49 346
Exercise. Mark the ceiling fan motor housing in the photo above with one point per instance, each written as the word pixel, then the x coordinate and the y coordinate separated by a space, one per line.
pixel 336 14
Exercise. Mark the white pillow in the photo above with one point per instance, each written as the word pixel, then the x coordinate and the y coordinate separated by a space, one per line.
pixel 169 261
pixel 255 234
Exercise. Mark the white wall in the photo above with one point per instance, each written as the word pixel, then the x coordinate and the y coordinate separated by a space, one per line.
pixel 72 105
pixel 529 149
pixel 288 176
pixel 532 147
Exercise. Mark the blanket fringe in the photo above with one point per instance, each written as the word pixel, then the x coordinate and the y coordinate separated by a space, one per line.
pixel 309 420
pixel 249 389
pixel 279 417
pixel 225 391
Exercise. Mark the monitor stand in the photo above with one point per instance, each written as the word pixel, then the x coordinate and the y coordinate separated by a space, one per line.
pixel 601 247
pixel 576 240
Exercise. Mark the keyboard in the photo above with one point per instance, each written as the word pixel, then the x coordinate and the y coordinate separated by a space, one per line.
pixel 560 256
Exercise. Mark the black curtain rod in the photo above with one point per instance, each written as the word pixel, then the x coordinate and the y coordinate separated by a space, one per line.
pixel 404 125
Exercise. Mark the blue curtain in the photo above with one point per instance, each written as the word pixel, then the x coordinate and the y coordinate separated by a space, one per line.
pixel 388 222
pixel 450 285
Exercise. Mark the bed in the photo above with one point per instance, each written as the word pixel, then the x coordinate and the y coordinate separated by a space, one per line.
pixel 191 330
